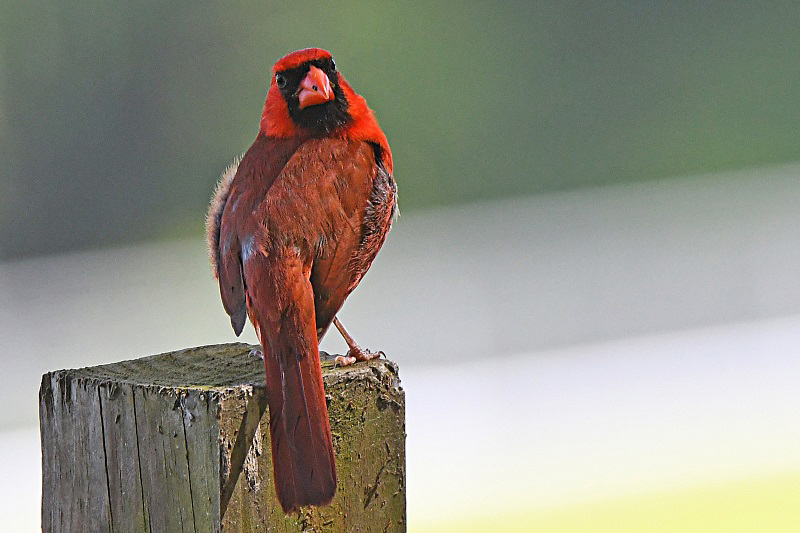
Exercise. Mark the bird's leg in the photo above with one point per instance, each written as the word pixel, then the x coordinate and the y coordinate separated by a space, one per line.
pixel 356 352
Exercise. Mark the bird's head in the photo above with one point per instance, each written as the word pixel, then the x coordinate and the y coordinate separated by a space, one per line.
pixel 308 94
pixel 309 97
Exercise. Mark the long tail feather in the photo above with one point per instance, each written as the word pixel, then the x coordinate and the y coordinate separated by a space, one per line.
pixel 302 450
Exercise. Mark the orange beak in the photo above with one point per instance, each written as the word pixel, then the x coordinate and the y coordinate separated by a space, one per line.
pixel 315 88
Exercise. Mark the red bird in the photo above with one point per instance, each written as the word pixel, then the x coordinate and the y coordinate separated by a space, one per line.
pixel 292 229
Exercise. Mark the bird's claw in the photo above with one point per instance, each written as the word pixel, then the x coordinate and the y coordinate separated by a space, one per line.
pixel 255 352
pixel 360 355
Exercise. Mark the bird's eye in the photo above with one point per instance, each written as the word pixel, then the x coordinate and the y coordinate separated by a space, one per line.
pixel 280 79
pixel 333 64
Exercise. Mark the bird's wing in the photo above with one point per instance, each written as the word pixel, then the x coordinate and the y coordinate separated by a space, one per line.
pixel 231 228
pixel 342 262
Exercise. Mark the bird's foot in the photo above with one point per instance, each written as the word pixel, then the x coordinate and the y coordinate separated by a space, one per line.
pixel 358 355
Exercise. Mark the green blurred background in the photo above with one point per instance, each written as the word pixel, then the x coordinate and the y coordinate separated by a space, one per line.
pixel 116 118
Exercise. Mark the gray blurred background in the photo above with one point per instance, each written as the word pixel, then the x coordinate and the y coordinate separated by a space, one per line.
pixel 597 255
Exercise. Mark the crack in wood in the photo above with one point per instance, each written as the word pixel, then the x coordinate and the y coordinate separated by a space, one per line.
pixel 105 460
pixel 188 464
pixel 145 507
pixel 254 410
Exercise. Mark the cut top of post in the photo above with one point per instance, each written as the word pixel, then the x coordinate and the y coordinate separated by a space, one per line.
pixel 220 366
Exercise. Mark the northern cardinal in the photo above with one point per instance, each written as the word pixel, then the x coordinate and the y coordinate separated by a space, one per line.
pixel 292 229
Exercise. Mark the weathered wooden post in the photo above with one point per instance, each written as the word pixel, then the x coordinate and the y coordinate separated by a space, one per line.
pixel 176 442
